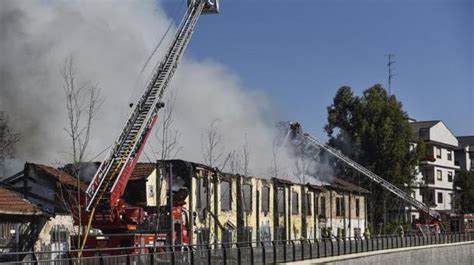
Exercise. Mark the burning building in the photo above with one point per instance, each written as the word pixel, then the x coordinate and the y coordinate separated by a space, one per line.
pixel 222 207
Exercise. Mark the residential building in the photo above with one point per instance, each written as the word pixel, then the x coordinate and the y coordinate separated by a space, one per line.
pixel 33 202
pixel 464 155
pixel 20 223
pixel 436 171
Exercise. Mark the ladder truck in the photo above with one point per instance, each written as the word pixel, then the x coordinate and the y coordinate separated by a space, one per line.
pixel 298 136
pixel 104 207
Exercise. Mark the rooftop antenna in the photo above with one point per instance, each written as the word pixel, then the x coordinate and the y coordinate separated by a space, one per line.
pixel 390 71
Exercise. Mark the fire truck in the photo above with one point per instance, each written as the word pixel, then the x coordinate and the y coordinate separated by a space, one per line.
pixel 122 224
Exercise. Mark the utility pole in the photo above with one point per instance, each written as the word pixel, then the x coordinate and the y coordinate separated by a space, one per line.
pixel 170 204
pixel 390 71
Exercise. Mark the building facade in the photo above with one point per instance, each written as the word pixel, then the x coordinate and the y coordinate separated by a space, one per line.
pixel 437 169
pixel 33 212
pixel 232 208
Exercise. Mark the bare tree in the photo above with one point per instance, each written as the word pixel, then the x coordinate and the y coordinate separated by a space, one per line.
pixel 235 162
pixel 168 137
pixel 239 160
pixel 274 170
pixel 211 146
pixel 82 103
pixel 8 140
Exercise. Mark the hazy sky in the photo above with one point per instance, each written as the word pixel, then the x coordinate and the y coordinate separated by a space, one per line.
pixel 300 52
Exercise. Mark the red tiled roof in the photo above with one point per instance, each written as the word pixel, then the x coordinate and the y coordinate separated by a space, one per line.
pixel 142 170
pixel 61 176
pixel 12 203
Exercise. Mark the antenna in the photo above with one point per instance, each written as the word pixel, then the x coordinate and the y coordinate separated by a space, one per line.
pixel 390 71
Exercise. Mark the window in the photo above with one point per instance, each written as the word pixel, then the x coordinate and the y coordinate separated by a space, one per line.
pixel 357 232
pixel 265 233
pixel 151 191
pixel 226 193
pixel 265 199
pixel 440 197
pixel 439 175
pixel 438 152
pixel 203 235
pixel 357 206
pixel 451 200
pixel 247 236
pixel 424 132
pixel 308 203
pixel 450 155
pixel 59 234
pixel 339 206
pixel 428 197
pixel 6 230
pixel 294 203
pixel 227 235
pixel 341 232
pixel 450 176
pixel 428 176
pixel 281 201
pixel 247 192
pixel 323 207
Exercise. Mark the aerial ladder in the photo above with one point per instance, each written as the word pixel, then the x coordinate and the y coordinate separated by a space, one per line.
pixel 103 204
pixel 298 137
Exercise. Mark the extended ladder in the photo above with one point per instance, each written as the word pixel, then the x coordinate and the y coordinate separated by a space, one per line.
pixel 114 172
pixel 299 134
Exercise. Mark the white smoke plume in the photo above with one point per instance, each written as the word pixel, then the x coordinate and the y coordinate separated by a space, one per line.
pixel 109 42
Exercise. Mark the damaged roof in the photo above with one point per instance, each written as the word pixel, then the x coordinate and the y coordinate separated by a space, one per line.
pixel 342 184
pixel 142 171
pixel 336 183
pixel 13 203
pixel 61 176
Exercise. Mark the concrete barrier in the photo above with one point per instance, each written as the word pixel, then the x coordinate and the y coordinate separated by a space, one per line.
pixel 444 254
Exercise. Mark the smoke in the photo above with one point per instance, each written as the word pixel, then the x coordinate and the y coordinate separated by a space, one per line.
pixel 109 42
pixel 310 163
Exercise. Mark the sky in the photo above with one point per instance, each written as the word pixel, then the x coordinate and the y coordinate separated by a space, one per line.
pixel 255 63
pixel 299 52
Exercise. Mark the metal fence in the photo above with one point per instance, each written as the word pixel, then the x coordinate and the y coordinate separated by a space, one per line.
pixel 234 253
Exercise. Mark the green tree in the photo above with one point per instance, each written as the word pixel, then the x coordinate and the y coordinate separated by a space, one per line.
pixel 464 200
pixel 373 129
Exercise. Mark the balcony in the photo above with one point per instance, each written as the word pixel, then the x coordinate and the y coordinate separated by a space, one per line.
pixel 428 178
pixel 428 158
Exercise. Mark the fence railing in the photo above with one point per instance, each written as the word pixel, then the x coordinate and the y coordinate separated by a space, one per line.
pixel 233 253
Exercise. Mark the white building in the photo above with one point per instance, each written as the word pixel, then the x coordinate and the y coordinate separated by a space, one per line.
pixel 464 155
pixel 434 181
